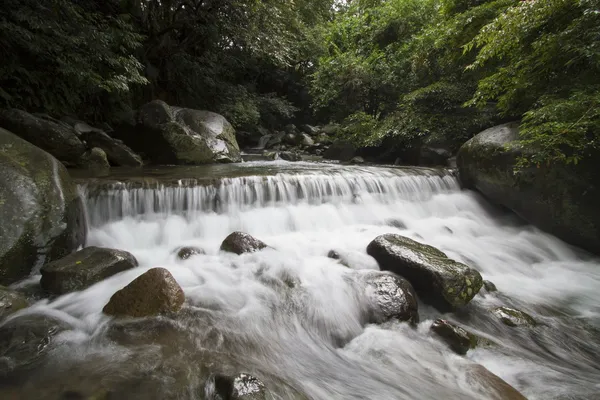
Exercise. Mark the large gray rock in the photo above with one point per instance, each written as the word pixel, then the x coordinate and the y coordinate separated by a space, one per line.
pixel 117 152
pixel 53 136
pixel 40 209
pixel 240 242
pixel 82 269
pixel 560 199
pixel 153 293
pixel 392 297
pixel 438 280
pixel 182 136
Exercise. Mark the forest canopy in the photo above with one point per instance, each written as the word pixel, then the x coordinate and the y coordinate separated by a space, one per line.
pixel 398 72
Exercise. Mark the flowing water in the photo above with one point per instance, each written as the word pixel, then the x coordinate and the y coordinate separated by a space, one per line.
pixel 295 318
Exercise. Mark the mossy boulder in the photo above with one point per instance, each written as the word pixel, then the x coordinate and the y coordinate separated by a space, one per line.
pixel 182 136
pixel 94 159
pixel 560 199
pixel 513 318
pixel 392 297
pixel 53 136
pixel 41 212
pixel 240 242
pixel 82 269
pixel 153 293
pixel 438 280
pixel 11 302
pixel 459 339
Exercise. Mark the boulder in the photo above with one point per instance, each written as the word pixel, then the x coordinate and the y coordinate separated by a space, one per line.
pixel 560 199
pixel 41 212
pixel 513 318
pixel 438 280
pixel 357 160
pixel 392 297
pixel 331 129
pixel 94 159
pixel 309 130
pixel 302 139
pixel 11 302
pixel 240 242
pixel 494 387
pixel 434 156
pixel 182 136
pixel 291 128
pixel 460 340
pixel 274 140
pixel 118 153
pixel 289 139
pixel 290 156
pixel 82 269
pixel 240 387
pixel 53 136
pixel 25 340
pixel 341 151
pixel 153 293
pixel 185 252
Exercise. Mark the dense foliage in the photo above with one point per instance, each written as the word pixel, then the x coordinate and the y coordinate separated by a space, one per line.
pixel 399 72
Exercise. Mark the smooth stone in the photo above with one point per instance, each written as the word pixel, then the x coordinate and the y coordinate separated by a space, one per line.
pixel 392 297
pixel 513 318
pixel 240 242
pixel 183 253
pixel 459 339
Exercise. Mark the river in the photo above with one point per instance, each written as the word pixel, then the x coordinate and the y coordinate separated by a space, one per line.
pixel 308 337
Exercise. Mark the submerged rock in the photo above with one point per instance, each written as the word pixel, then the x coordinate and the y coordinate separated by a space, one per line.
pixel 240 387
pixel 182 136
pixel 460 340
pixel 393 298
pixel 240 242
pixel 185 252
pixel 441 281
pixel 94 159
pixel 489 286
pixel 153 293
pixel 84 268
pixel 334 255
pixel 11 302
pixel 512 317
pixel 494 387
pixel 40 209
pixel 53 136
pixel 561 199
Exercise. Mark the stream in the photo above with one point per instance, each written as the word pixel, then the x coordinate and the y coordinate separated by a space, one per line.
pixel 293 317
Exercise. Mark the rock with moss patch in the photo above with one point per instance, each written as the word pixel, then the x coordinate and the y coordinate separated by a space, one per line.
pixel 561 199
pixel 438 280
pixel 10 302
pixel 512 317
pixel 153 293
pixel 94 159
pixel 185 252
pixel 240 242
pixel 84 268
pixel 53 136
pixel 240 387
pixel 392 297
pixel 181 136
pixel 40 209
pixel 459 339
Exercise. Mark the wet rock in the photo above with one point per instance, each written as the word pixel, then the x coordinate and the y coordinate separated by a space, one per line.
pixel 489 286
pixel 441 281
pixel 117 152
pixel 290 156
pixel 334 255
pixel 393 298
pixel 341 151
pixel 82 269
pixel 512 317
pixel 492 386
pixel 11 302
pixel 153 293
pixel 182 136
pixel 357 160
pixel 396 223
pixel 53 136
pixel 558 198
pixel 40 209
pixel 240 387
pixel 183 253
pixel 460 340
pixel 240 242
pixel 94 159
pixel 25 340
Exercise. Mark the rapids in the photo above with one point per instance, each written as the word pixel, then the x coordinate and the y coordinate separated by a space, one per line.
pixel 293 317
